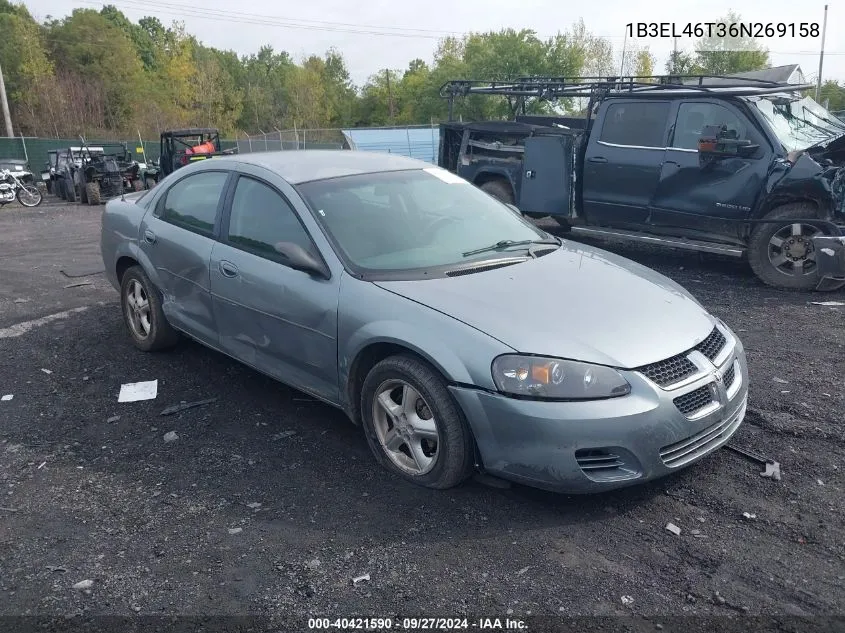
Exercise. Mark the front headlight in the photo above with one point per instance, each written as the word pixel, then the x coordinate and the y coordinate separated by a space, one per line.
pixel 556 379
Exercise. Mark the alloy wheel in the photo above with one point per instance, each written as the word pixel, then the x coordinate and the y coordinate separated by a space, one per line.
pixel 138 309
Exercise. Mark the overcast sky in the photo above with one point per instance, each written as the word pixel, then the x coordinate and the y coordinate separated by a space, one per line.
pixel 374 34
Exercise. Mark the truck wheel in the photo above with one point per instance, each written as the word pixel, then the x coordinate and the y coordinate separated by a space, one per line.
pixel 92 190
pixel 70 190
pixel 83 194
pixel 149 182
pixel 499 189
pixel 782 254
pixel 137 185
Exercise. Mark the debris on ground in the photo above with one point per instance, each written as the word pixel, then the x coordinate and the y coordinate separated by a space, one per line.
pixel 236 530
pixel 827 303
pixel 522 571
pixel 772 471
pixel 55 568
pixel 313 564
pixel 47 371
pixel 170 436
pixel 359 579
pixel 254 505
pixel 7 397
pixel 674 529
pixel 135 391
pixel 8 509
pixel 626 600
pixel 820 482
pixel 41 465
pixel 77 274
pixel 184 406
pixel 748 515
pixel 80 283
pixel 780 381
pixel 113 419
pixel 283 435
pixel 83 584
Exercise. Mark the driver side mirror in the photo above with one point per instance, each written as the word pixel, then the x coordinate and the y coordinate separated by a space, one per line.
pixel 717 142
pixel 299 259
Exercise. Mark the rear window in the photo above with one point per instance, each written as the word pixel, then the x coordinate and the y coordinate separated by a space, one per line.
pixel 642 124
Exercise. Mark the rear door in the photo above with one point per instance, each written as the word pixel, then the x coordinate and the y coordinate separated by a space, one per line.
pixel 623 161
pixel 695 198
pixel 177 238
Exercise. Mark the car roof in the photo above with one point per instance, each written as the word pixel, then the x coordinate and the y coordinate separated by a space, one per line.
pixel 298 166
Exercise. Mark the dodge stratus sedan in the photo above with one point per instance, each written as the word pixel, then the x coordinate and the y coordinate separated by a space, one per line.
pixel 456 333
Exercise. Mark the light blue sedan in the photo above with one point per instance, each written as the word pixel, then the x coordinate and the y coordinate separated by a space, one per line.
pixel 459 335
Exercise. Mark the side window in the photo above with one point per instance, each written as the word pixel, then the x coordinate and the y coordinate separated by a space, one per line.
pixel 261 218
pixel 693 117
pixel 642 123
pixel 192 202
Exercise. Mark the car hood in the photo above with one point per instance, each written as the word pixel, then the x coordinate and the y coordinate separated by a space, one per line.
pixel 578 302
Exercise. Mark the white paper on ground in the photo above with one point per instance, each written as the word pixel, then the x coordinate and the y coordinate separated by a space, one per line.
pixel 446 176
pixel 134 391
pixel 7 397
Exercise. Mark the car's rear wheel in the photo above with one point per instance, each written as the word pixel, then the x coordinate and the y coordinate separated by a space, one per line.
pixel 142 313
pixel 782 254
pixel 413 425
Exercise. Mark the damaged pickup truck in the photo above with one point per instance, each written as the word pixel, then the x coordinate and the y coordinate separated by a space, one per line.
pixel 739 167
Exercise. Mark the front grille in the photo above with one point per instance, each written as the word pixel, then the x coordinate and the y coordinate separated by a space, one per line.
pixel 695 446
pixel 597 459
pixel 694 401
pixel 712 345
pixel 669 371
pixel 729 376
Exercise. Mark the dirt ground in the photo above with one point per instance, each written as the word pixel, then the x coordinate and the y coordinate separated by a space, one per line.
pixel 269 503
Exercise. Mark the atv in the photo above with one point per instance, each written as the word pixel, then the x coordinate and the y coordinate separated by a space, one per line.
pixel 182 147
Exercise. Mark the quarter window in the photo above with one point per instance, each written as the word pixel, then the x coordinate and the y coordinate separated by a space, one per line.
pixel 261 218
pixel 192 202
pixel 642 124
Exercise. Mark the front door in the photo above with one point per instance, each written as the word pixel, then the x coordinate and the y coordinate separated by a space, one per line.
pixel 622 162
pixel 177 238
pixel 700 199
pixel 279 320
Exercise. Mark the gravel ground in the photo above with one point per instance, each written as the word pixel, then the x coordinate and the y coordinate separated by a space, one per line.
pixel 269 503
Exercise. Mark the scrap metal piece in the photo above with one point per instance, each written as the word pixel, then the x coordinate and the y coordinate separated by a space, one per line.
pixel 184 406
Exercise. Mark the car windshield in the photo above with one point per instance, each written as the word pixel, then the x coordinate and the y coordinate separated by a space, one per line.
pixel 799 123
pixel 415 219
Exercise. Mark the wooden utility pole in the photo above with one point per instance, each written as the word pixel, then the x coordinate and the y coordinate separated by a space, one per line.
pixel 821 57
pixel 5 103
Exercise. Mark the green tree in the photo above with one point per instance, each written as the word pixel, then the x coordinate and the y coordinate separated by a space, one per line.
pixel 728 55
pixel 834 94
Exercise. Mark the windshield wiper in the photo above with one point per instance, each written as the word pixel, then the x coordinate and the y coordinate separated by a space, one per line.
pixel 508 243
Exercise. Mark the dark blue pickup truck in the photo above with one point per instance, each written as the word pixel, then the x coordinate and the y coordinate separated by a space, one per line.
pixel 739 167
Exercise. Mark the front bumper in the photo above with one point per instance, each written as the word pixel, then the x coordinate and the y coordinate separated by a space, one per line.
pixel 587 447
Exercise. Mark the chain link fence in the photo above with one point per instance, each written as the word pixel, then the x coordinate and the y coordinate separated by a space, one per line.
pixel 416 141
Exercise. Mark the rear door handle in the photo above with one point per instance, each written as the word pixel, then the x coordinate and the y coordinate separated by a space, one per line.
pixel 149 237
pixel 228 269
pixel 597 159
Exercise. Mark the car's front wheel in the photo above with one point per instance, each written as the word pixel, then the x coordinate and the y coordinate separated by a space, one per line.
pixel 142 312
pixel 413 425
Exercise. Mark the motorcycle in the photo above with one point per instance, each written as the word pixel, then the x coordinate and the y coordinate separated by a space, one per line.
pixel 11 188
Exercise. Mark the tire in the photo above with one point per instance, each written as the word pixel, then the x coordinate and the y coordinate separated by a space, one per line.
pixel 149 182
pixel 60 187
pixel 152 333
pixel 499 189
pixel 70 190
pixel 137 185
pixel 777 266
pixel 92 190
pixel 43 188
pixel 33 191
pixel 452 461
pixel 49 185
pixel 83 194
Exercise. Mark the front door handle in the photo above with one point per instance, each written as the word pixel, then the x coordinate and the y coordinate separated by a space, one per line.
pixel 228 269
pixel 149 237
pixel 597 159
